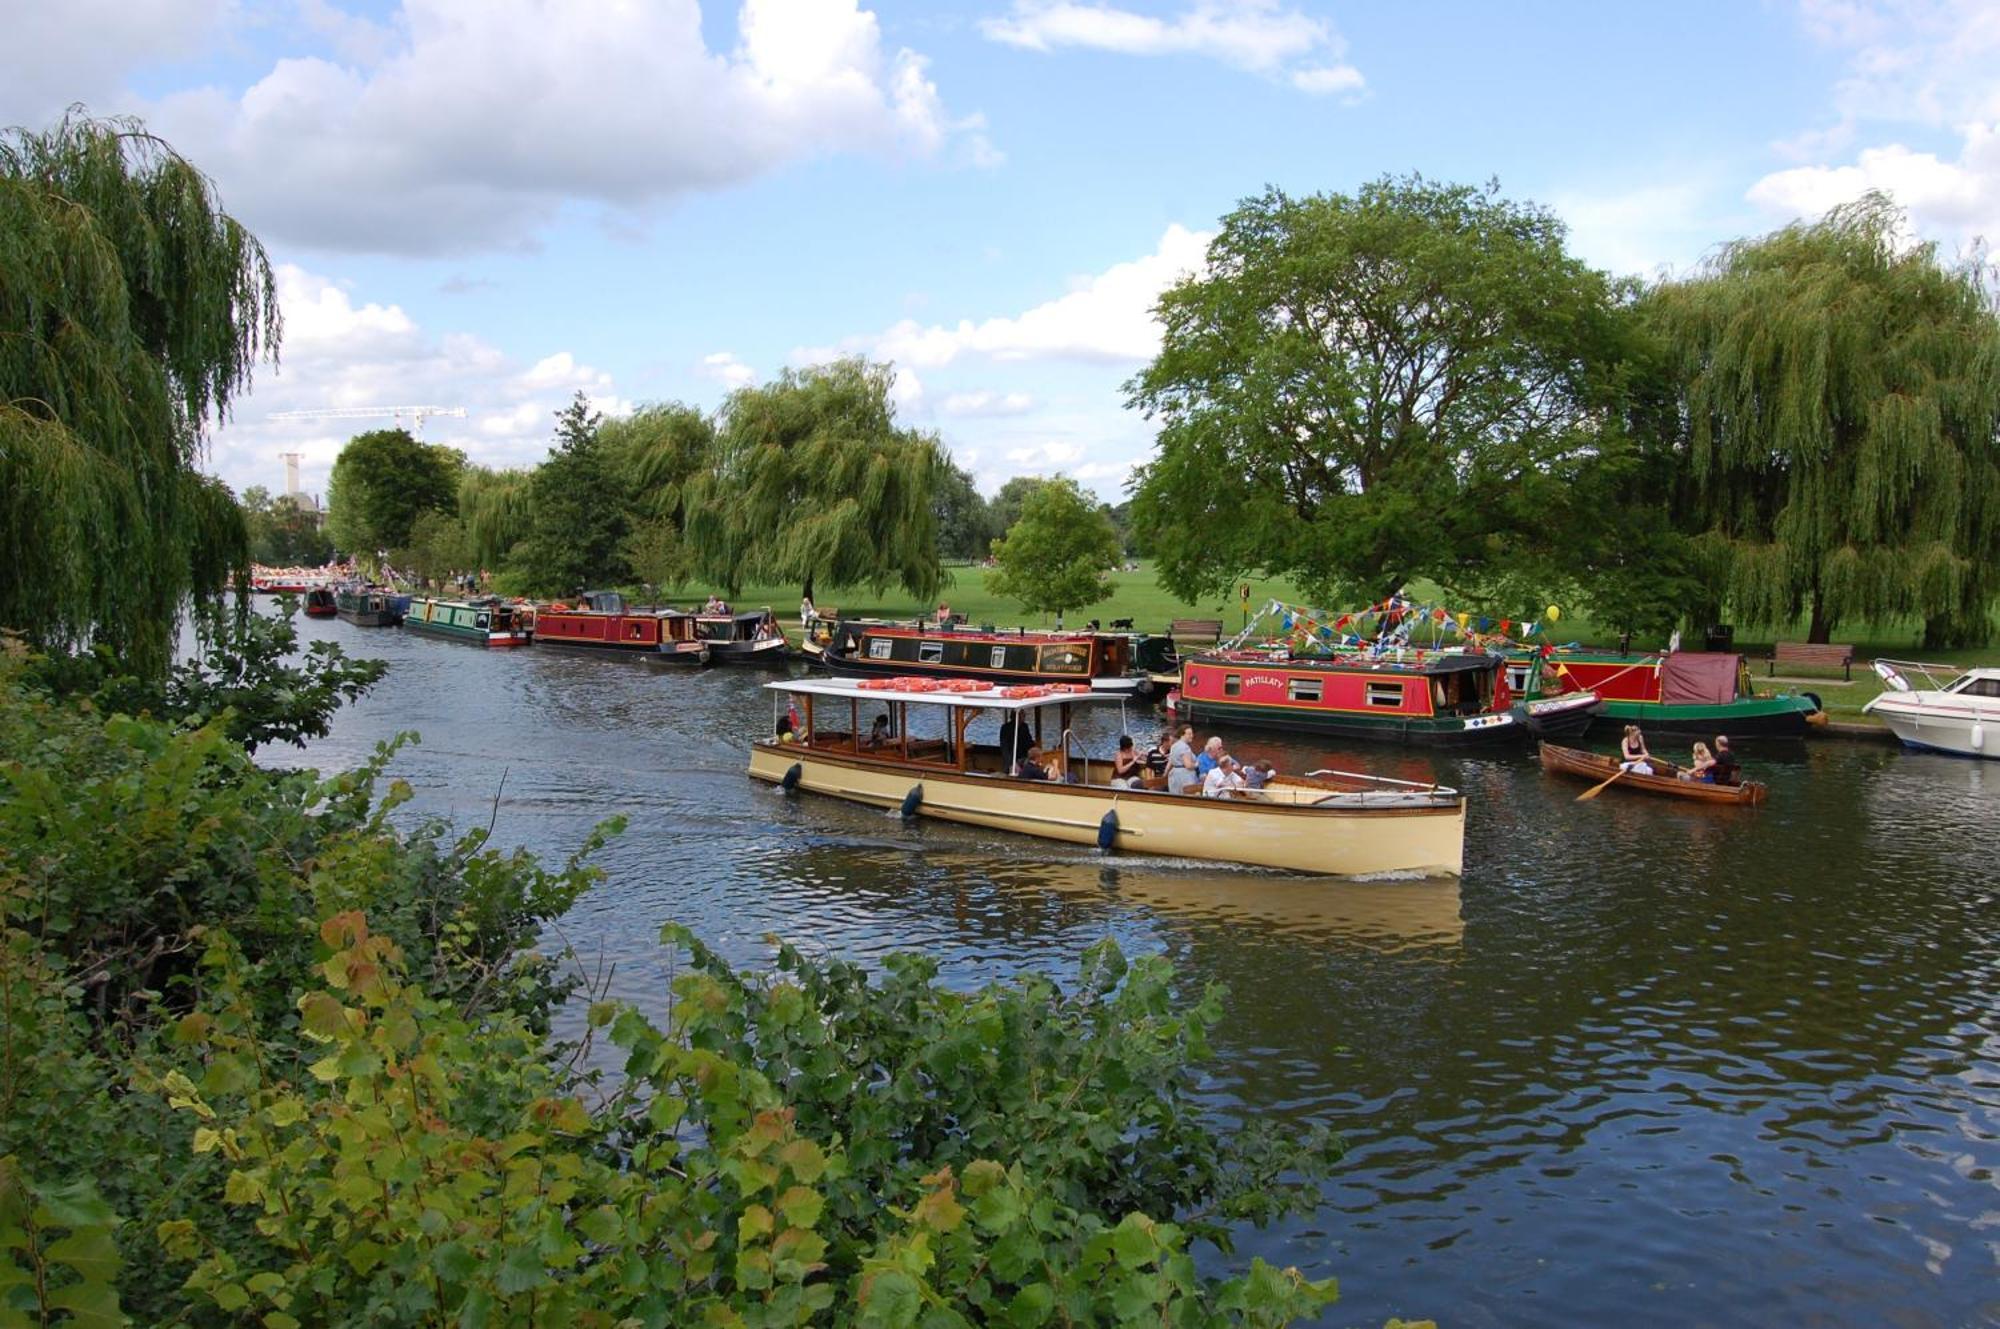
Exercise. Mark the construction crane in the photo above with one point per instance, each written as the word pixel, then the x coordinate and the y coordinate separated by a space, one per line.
pixel 416 414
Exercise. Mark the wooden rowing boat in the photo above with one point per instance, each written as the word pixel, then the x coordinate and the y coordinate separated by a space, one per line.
pixel 1595 767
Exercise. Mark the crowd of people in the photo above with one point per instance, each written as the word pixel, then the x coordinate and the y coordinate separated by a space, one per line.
pixel 1172 763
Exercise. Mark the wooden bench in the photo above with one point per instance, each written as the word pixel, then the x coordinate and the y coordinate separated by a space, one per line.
pixel 1823 655
pixel 1193 629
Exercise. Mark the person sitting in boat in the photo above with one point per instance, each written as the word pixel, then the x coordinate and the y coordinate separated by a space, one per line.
pixel 1637 761
pixel 944 614
pixel 1212 756
pixel 879 734
pixel 1156 756
pixel 1181 772
pixel 1224 779
pixel 1702 771
pixel 1726 771
pixel 1258 774
pixel 1127 766
pixel 1032 767
pixel 1010 739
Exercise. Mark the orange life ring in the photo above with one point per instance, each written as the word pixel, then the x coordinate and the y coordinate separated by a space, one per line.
pixel 962 685
pixel 877 684
pixel 1069 687
pixel 1022 693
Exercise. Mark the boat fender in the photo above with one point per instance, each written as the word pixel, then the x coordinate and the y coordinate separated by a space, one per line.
pixel 1107 831
pixel 703 655
pixel 1978 736
pixel 913 800
pixel 1813 697
pixel 792 774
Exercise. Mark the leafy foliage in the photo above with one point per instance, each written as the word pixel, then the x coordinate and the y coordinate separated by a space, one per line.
pixel 382 482
pixel 132 310
pixel 577 510
pixel 283 533
pixel 1363 389
pixel 813 481
pixel 362 1122
pixel 965 524
pixel 494 507
pixel 1841 391
pixel 1055 557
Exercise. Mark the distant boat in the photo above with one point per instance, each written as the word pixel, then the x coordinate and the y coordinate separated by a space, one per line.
pixel 370 606
pixel 1958 713
pixel 487 621
pixel 1680 692
pixel 605 625
pixel 320 603
pixel 749 637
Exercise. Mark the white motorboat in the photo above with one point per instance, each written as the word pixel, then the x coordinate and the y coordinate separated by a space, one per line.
pixel 1959 712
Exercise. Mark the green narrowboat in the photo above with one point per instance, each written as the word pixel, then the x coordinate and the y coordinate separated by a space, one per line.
pixel 488 621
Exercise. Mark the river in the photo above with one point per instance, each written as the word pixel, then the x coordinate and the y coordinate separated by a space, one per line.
pixel 1648 1064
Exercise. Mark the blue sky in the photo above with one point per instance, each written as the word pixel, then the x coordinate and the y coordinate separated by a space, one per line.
pixel 494 203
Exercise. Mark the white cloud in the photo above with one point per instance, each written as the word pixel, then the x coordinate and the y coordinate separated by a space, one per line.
pixel 1959 199
pixel 83 50
pixel 1640 230
pixel 1105 318
pixel 1259 36
pixel 480 119
pixel 726 369
pixel 340 353
pixel 987 403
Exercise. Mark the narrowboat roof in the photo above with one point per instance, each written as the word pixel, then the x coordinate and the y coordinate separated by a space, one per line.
pixel 1036 636
pixel 985 699
pixel 1444 662
pixel 738 616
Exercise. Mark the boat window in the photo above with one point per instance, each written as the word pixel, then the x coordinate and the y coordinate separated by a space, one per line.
pixel 1304 689
pixel 930 652
pixel 1232 685
pixel 998 660
pixel 481 621
pixel 1518 675
pixel 635 630
pixel 879 648
pixel 1386 694
pixel 1983 687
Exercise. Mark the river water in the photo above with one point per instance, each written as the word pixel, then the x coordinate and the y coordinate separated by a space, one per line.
pixel 1648 1064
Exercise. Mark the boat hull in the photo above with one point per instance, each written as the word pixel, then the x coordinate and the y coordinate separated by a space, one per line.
pixel 1450 731
pixel 1597 768
pixel 1365 842
pixel 692 654
pixel 470 636
pixel 1782 716
pixel 769 650
pixel 1928 726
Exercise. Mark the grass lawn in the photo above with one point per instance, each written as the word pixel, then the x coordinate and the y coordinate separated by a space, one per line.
pixel 1139 597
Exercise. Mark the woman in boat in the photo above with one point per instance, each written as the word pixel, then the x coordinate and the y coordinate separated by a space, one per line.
pixel 1702 771
pixel 1637 761
pixel 879 734
pixel 1127 766
pixel 1181 774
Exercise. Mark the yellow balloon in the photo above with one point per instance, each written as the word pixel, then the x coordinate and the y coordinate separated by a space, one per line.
pixel 1555 614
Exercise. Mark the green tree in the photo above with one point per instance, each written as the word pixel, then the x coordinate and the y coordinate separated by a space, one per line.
pixel 1841 393
pixel 1005 508
pixel 439 546
pixel 578 510
pixel 382 482
pixel 132 310
pixel 814 482
pixel 1055 557
pixel 1364 389
pixel 494 505
pixel 660 450
pixel 964 519
pixel 283 531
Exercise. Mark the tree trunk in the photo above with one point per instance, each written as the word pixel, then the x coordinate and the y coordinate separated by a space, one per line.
pixel 1821 630
pixel 809 586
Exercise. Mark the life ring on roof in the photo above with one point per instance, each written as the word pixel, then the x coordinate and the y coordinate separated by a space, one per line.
pixel 877 684
pixel 961 685
pixel 1069 687
pixel 1024 692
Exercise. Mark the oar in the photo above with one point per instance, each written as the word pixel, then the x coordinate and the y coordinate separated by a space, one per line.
pixel 1595 791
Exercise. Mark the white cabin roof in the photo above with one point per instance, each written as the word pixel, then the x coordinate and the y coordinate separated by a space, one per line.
pixel 853 689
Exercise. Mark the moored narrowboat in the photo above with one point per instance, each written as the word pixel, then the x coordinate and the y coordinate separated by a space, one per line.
pixel 751 636
pixel 1104 660
pixel 605 625
pixel 487 621
pixel 1679 692
pixel 1446 698
pixel 320 603
pixel 370 606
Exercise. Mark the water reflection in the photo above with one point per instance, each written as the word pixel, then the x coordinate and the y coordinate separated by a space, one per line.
pixel 1649 1063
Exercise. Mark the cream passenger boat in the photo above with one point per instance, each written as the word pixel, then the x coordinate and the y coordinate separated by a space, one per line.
pixel 942 757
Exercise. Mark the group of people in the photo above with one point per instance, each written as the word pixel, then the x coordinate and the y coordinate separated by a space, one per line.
pixel 1715 765
pixel 1172 761
pixel 715 605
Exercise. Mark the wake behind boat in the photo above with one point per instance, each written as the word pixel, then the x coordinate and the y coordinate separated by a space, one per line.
pixel 908 743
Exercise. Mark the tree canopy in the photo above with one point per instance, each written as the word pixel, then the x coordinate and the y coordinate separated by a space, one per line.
pixel 1055 557
pixel 1362 389
pixel 382 482
pixel 1840 391
pixel 578 510
pixel 965 522
pixel 282 530
pixel 132 311
pixel 813 481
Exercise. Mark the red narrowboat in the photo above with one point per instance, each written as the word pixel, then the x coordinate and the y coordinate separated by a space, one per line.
pixel 604 625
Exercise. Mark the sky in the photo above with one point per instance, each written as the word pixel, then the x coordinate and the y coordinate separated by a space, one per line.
pixel 493 204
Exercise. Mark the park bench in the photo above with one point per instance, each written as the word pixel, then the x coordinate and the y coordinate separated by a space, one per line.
pixel 1823 655
pixel 1196 629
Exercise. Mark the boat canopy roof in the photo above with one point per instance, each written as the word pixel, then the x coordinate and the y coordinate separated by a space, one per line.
pixel 738 616
pixel 985 699
pixel 1443 662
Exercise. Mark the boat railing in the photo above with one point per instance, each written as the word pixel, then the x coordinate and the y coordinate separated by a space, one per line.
pixel 1429 786
pixel 1891 672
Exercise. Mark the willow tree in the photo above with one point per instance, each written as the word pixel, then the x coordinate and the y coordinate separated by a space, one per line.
pixel 658 451
pixel 814 483
pixel 132 311
pixel 495 509
pixel 1841 394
